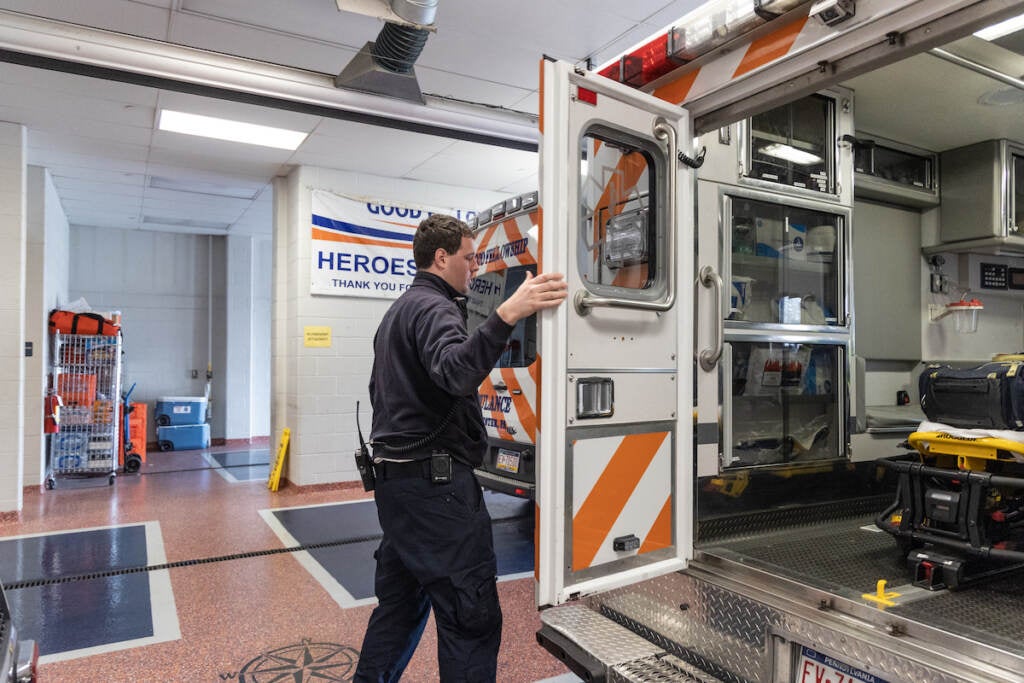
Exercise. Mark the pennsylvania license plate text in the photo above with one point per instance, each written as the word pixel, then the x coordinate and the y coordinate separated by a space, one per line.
pixel 508 461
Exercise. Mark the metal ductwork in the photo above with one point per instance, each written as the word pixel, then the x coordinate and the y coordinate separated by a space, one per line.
pixel 385 66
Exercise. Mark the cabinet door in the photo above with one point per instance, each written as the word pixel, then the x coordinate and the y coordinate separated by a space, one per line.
pixel 887 282
pixel 785 403
pixel 1017 196
pixel 794 144
pixel 785 263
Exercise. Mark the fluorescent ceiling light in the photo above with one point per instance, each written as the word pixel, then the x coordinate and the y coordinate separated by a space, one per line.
pixel 790 153
pixel 226 129
pixel 1001 29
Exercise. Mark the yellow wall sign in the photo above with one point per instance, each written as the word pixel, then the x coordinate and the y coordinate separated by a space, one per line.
pixel 318 336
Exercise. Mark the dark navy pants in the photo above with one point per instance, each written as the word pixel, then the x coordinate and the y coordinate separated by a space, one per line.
pixel 437 551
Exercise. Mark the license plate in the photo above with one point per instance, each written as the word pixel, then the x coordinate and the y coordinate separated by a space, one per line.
pixel 508 461
pixel 815 667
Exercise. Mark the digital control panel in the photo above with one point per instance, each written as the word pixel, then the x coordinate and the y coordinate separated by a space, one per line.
pixel 994 276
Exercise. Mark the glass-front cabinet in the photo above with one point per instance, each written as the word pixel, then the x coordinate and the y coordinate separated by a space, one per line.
pixel 793 144
pixel 785 262
pixel 783 403
pixel 782 377
pixel 803 148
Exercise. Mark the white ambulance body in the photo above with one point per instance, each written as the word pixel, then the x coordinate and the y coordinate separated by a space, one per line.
pixel 506 240
pixel 705 507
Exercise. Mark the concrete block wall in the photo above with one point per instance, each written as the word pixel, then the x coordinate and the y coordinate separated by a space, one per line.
pixel 161 284
pixel 13 207
pixel 319 387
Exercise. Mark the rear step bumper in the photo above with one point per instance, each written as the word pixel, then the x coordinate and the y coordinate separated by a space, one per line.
pixel 598 649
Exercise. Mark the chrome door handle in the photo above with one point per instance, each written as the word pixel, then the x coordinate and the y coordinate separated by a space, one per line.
pixel 709 357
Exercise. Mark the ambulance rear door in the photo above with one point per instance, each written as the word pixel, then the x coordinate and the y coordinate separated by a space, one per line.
pixel 615 499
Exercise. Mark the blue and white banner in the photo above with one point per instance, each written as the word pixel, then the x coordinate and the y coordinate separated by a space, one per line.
pixel 362 248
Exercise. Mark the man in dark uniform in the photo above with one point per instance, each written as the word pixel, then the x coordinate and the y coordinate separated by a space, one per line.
pixel 437 550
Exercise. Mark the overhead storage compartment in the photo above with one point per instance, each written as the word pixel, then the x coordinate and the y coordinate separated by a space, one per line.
pixel 983 199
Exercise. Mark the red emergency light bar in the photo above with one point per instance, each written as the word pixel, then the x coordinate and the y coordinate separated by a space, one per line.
pixel 708 27
pixel 643 65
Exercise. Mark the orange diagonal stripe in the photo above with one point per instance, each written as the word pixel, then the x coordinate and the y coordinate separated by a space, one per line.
pixel 676 91
pixel 329 236
pixel 771 47
pixel 521 403
pixel 487 387
pixel 660 535
pixel 481 247
pixel 613 489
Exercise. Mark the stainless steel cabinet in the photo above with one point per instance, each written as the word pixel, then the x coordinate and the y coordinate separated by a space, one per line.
pixel 983 192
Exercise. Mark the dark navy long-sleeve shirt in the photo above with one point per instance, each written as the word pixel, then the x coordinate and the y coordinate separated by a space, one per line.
pixel 424 363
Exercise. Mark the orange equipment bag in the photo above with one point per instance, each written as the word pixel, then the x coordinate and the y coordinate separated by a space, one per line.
pixel 67 322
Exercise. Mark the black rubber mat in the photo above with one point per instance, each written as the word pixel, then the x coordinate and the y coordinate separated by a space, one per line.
pixel 988 611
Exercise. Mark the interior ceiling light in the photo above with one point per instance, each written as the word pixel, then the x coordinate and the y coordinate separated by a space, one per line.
pixel 790 153
pixel 1001 29
pixel 226 129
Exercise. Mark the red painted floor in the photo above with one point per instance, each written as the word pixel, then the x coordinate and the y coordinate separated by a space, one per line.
pixel 240 616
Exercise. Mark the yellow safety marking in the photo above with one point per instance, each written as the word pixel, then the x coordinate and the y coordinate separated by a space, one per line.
pixel 275 474
pixel 881 596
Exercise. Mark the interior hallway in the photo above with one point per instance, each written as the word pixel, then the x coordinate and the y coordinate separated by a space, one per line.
pixel 219 598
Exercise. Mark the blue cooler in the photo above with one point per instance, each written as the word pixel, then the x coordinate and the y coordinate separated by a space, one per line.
pixel 183 437
pixel 180 410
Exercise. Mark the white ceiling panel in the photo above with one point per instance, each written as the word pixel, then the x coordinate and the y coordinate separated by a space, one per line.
pixel 117 195
pixel 195 146
pixel 530 183
pixel 146 19
pixel 57 82
pixel 74 174
pixel 89 135
pixel 196 180
pixel 267 46
pixel 130 185
pixel 59 159
pixel 304 19
pixel 354 146
pixel 213 162
pixel 460 87
pixel 170 198
pixel 470 164
pixel 86 146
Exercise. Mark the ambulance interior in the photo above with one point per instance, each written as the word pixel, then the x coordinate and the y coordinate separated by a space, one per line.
pixel 778 466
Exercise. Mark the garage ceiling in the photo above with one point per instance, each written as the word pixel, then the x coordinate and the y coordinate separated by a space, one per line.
pixel 112 168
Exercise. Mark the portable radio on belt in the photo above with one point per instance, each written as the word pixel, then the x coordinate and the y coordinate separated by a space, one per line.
pixel 440 461
pixel 363 461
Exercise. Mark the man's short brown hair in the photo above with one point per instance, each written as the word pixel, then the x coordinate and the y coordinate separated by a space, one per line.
pixel 438 231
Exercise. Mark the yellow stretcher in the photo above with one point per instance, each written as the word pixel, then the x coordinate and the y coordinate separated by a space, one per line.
pixel 951 451
pixel 964 494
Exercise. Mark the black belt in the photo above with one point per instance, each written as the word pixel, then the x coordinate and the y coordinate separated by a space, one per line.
pixel 403 470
